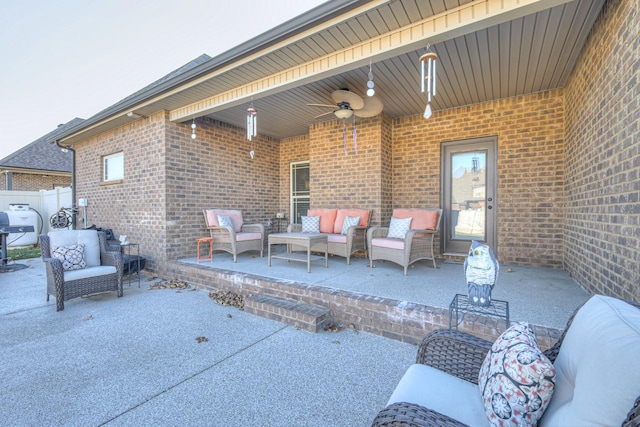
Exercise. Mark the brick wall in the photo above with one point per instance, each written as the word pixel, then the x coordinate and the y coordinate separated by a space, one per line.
pixel 398 165
pixel 134 206
pixel 34 182
pixel 602 233
pixel 354 179
pixel 170 178
pixel 216 171
pixel 530 131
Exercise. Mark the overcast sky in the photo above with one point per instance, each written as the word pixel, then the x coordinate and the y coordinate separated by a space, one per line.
pixel 61 59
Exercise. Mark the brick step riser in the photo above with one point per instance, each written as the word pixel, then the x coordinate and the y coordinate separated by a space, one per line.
pixel 299 315
pixel 394 319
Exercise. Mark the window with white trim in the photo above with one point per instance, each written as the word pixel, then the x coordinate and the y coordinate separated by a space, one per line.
pixel 300 195
pixel 113 167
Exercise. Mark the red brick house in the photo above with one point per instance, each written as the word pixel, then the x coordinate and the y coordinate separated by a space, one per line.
pixel 537 99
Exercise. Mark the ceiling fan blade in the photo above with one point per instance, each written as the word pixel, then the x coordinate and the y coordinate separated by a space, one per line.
pixel 372 107
pixel 323 114
pixel 354 100
pixel 321 105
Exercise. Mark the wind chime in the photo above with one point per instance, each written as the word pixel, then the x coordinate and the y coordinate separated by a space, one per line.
pixel 252 126
pixel 370 85
pixel 428 66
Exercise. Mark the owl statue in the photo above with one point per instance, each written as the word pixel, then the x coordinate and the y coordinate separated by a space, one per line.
pixel 481 271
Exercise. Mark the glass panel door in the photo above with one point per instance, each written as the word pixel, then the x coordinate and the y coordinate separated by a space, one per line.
pixel 469 193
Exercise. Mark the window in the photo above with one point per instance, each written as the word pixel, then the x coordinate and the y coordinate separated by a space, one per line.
pixel 113 167
pixel 300 199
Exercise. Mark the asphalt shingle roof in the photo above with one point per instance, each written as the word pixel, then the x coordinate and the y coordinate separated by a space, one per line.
pixel 42 155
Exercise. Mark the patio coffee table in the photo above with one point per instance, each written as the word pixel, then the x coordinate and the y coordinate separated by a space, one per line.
pixel 306 240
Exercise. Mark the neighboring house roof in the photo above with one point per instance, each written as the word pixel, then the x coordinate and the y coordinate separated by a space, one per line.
pixel 41 155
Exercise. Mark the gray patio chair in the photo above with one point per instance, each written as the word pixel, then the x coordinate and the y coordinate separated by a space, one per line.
pixel 100 271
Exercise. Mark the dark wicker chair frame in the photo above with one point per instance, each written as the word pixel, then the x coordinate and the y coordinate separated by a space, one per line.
pixel 65 291
pixel 418 245
pixel 461 354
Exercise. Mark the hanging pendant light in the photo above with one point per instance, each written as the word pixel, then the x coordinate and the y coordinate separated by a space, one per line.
pixel 428 80
pixel 193 129
pixel 252 122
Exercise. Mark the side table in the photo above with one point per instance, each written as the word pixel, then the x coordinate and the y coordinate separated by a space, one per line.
pixel 127 251
pixel 461 305
pixel 280 224
pixel 209 240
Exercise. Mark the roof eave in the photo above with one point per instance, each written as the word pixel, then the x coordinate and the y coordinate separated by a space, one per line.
pixel 321 13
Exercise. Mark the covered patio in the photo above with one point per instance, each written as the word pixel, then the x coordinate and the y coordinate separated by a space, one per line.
pixel 520 74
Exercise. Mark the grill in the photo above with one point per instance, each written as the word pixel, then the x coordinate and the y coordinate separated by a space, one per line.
pixel 5 229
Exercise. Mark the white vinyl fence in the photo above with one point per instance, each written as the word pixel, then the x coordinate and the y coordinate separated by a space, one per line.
pixel 44 203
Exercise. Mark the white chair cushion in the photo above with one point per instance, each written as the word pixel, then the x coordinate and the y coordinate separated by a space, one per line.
pixel 597 375
pixel 243 237
pixel 384 242
pixel 336 238
pixel 89 238
pixel 441 392
pixel 101 270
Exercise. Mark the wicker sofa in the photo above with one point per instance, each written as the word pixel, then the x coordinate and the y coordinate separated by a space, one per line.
pixel 417 243
pixel 237 238
pixel 101 271
pixel 331 222
pixel 597 382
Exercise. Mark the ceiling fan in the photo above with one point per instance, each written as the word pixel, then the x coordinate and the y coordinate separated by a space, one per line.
pixel 349 103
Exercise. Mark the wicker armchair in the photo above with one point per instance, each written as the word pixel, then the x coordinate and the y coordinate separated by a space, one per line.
pixel 234 239
pixel 417 244
pixel 461 355
pixel 103 271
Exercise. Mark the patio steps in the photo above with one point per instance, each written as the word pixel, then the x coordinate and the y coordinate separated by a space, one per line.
pixel 302 315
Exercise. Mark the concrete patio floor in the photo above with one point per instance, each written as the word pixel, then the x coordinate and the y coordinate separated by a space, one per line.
pixel 137 360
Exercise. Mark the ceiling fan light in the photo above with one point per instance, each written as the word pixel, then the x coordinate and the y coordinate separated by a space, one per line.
pixel 343 113
pixel 427 112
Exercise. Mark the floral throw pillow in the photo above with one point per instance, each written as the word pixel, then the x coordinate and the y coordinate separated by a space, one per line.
pixel 349 221
pixel 516 379
pixel 398 227
pixel 310 224
pixel 72 257
pixel 224 221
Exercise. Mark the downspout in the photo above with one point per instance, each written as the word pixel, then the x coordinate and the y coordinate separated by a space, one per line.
pixel 73 181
